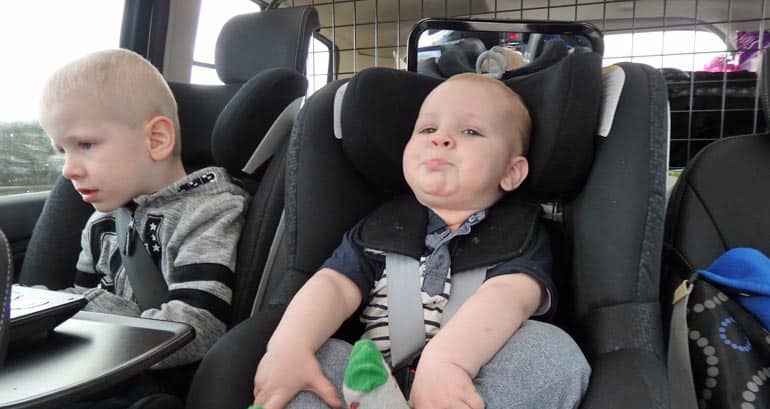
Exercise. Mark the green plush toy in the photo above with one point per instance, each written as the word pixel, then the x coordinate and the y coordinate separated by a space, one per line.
pixel 367 383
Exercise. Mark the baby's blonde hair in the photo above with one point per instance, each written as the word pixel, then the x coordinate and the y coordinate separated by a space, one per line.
pixel 521 118
pixel 125 85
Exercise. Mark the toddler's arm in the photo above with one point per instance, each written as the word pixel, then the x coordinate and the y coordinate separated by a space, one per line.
pixel 481 326
pixel 314 314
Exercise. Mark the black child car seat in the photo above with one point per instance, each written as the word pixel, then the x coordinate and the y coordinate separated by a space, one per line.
pixel 608 243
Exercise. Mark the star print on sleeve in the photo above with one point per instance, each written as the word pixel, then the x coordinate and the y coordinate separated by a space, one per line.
pixel 151 238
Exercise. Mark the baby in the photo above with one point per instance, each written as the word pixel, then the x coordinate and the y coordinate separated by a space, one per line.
pixel 467 151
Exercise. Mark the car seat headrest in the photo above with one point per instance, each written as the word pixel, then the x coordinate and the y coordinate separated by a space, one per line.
pixel 379 107
pixel 460 56
pixel 250 113
pixel 280 39
pixel 199 106
pixel 553 51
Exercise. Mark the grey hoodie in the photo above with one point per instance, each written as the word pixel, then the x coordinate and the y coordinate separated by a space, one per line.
pixel 191 230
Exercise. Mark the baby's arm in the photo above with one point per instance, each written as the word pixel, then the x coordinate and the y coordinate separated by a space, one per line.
pixel 481 326
pixel 314 314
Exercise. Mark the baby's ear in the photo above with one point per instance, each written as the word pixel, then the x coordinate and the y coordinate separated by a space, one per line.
pixel 160 137
pixel 517 171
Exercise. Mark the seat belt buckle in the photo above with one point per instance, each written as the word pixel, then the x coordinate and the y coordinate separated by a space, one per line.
pixel 107 284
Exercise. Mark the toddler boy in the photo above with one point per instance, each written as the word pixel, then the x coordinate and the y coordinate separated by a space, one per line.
pixel 114 118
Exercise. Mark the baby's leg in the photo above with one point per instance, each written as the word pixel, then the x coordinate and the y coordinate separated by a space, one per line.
pixel 539 367
pixel 333 356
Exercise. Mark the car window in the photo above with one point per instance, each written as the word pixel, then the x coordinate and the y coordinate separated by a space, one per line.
pixel 687 50
pixel 62 30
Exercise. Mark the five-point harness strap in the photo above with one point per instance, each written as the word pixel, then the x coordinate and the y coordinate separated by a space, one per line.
pixel 405 313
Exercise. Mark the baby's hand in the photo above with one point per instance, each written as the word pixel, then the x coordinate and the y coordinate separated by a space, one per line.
pixel 441 384
pixel 282 375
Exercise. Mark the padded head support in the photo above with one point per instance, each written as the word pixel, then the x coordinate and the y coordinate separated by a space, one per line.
pixel 292 26
pixel 245 120
pixel 460 56
pixel 199 107
pixel 563 101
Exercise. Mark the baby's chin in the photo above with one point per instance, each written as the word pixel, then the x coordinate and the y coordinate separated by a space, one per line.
pixel 454 203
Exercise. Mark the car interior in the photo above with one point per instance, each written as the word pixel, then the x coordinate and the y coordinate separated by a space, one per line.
pixel 644 174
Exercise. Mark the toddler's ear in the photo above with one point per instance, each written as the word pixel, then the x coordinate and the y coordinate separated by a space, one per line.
pixel 518 169
pixel 160 137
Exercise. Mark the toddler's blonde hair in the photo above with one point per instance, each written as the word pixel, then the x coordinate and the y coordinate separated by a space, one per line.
pixel 127 87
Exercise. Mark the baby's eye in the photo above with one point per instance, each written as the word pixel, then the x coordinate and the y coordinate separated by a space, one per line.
pixel 85 145
pixel 428 130
pixel 472 132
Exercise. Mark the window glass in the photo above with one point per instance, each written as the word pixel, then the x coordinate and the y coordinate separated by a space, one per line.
pixel 37 37
pixel 213 15
pixel 317 68
pixel 682 49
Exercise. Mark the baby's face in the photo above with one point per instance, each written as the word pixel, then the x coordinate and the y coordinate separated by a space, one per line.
pixel 462 147
pixel 105 160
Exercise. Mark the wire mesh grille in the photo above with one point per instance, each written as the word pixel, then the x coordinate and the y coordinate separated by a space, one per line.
pixel 708 101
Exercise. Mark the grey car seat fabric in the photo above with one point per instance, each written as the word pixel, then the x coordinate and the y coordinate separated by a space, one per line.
pixel 220 125
pixel 6 275
pixel 608 244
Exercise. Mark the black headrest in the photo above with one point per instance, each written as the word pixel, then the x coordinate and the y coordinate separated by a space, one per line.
pixel 278 38
pixel 245 120
pixel 553 51
pixel 199 107
pixel 223 124
pixel 381 105
pixel 460 56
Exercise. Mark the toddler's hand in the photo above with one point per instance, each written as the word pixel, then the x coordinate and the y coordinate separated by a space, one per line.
pixel 443 385
pixel 281 375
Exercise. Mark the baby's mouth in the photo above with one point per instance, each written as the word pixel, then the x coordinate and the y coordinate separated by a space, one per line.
pixel 435 163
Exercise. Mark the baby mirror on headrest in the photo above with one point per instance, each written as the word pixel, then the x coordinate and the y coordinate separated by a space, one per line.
pixel 380 106
pixel 445 47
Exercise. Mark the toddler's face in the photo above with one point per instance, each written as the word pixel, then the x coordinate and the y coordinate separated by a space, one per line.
pixel 105 160
pixel 462 147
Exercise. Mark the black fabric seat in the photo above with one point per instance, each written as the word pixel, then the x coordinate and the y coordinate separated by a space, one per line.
pixel 719 202
pixel 220 125
pixel 607 240
pixel 6 277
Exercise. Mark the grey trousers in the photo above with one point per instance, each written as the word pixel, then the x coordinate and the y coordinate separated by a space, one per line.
pixel 539 367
